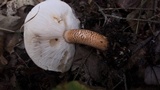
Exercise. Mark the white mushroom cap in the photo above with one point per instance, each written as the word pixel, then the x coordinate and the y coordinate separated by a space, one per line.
pixel 43 35
pixel 49 30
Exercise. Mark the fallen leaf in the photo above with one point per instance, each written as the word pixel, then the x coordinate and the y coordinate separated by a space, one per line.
pixel 6 86
pixel 152 75
pixel 73 85
pixel 1 42
pixel 11 42
pixel 157 49
pixel 13 23
pixel 145 87
pixel 38 1
pixel 23 11
pixel 10 22
pixel 3 2
pixel 128 3
pixel 134 24
pixel 89 1
pixel 3 61
pixel 90 63
pixel 13 80
pixel 13 5
pixel 140 14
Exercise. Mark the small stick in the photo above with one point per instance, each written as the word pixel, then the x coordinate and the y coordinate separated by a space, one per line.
pixel 6 30
pixel 134 19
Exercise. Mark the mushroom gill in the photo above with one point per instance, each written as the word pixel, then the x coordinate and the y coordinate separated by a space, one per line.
pixel 50 31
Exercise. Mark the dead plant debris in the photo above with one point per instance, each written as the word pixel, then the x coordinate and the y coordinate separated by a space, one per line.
pixel 132 61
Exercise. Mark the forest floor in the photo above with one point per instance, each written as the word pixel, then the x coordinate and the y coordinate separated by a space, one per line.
pixel 131 62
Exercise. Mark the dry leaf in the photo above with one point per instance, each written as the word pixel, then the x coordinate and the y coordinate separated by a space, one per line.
pixel 145 87
pixel 3 2
pixel 11 42
pixel 24 10
pixel 13 80
pixel 152 75
pixel 132 23
pixel 1 42
pixel 140 14
pixel 3 61
pixel 138 57
pixel 89 1
pixel 79 55
pixel 9 22
pixel 38 1
pixel 12 23
pixel 89 62
pixel 157 49
pixel 128 3
pixel 13 5
pixel 73 85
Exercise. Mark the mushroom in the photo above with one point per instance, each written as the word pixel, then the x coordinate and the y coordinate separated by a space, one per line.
pixel 50 31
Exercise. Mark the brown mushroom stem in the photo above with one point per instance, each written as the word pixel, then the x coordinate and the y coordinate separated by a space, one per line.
pixel 86 37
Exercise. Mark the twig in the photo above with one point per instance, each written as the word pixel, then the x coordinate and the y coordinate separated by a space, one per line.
pixel 154 16
pixel 117 84
pixel 118 17
pixel 155 74
pixel 85 59
pixel 140 13
pixel 134 19
pixel 6 30
pixel 20 59
pixel 146 9
pixel 152 28
pixel 155 6
pixel 30 18
pixel 101 10
pixel 125 81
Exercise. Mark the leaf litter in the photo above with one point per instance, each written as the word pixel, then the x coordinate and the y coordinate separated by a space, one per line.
pixel 130 63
